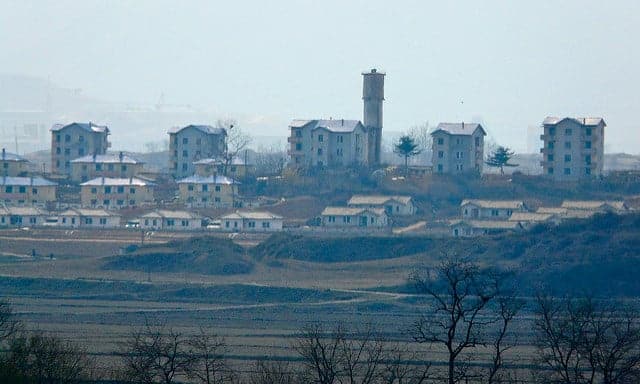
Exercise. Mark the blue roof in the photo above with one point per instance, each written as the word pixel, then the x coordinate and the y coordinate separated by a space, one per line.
pixel 89 127
pixel 26 181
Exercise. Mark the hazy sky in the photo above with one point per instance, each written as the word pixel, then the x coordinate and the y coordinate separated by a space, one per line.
pixel 511 62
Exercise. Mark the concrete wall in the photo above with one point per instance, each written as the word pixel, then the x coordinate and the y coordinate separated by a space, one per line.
pixel 14 168
pixel 458 154
pixel 27 195
pixel 355 221
pixel 119 197
pixel 251 225
pixel 199 198
pixel 472 211
pixel 81 172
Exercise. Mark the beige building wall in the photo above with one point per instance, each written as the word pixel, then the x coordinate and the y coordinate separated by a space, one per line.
pixel 81 172
pixel 73 141
pixel 192 144
pixel 27 195
pixel 107 196
pixel 201 195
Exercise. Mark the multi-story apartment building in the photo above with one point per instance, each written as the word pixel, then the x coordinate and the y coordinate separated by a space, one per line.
pixel 208 191
pixel 75 140
pixel 109 165
pixel 458 148
pixel 16 190
pixel 192 143
pixel 328 143
pixel 106 192
pixel 13 165
pixel 573 147
pixel 338 142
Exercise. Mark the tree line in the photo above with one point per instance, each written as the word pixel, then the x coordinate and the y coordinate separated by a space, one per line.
pixel 469 318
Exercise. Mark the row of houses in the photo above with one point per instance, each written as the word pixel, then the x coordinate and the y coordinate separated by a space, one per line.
pixel 367 212
pixel 162 220
pixel 481 217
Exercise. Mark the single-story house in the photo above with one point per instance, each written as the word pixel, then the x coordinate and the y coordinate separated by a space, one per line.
pixel 171 220
pixel 472 228
pixel 88 218
pixel 251 221
pixel 475 209
pixel 351 217
pixel 530 219
pixel 392 205
pixel 22 216
pixel 597 206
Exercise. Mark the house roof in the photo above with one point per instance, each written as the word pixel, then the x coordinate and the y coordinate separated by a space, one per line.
pixel 36 181
pixel 463 128
pixel 586 121
pixel 23 211
pixel 88 212
pixel 351 211
pixel 497 204
pixel 531 217
pixel 108 158
pixel 377 199
pixel 218 161
pixel 162 213
pixel 8 156
pixel 552 210
pixel 593 204
pixel 217 179
pixel 209 130
pixel 331 125
pixel 116 181
pixel 487 224
pixel 89 127
pixel 255 215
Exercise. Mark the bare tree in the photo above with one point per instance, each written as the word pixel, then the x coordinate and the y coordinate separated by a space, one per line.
pixel 400 368
pixel 422 135
pixel 8 325
pixel 208 364
pixel 156 354
pixel 460 295
pixel 40 358
pixel 270 160
pixel 580 341
pixel 320 353
pixel 508 307
pixel 235 140
pixel 270 372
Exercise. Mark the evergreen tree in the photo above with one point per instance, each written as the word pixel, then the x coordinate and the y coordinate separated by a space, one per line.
pixel 500 158
pixel 407 147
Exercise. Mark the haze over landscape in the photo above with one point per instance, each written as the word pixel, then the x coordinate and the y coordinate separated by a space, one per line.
pixel 506 64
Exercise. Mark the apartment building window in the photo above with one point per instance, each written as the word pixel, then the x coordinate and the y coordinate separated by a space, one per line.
pixel 67 151
pixel 98 167
pixel 88 220
pixel 120 202
pixel 587 144
pixel 298 146
pixel 110 167
pixel 550 170
pixel 459 167
pixel 549 157
pixel 67 138
pixel 440 141
pixel 552 131
pixel 331 219
pixel 217 188
pixel 106 203
pixel 320 138
pixel 567 145
pixel 568 132
pixel 495 213
pixel 567 171
pixel 459 155
pixel 477 141
pixel 67 164
pixel 190 187
pixel 94 190
pixel 170 222
pixel 57 138
pixel 587 159
pixel 319 151
pixel 103 221
pixel 58 151
pixel 132 191
pixel 346 219
pixel 9 189
pixel 80 151
pixel 205 188
pixel 22 189
pixel 94 202
pixel 567 158
pixel 551 144
pixel 185 223
pixel 339 152
pixel 340 139
pixel 107 190
pixel 216 200
pixel 440 168
pixel 185 140
pixel 588 131
pixel 34 191
pixel 184 166
pixel 440 154
pixel 132 203
pixel 587 171
pixel 458 141
pixel 251 224
pixel 185 153
pixel 266 224
pixel 120 189
pixel 298 133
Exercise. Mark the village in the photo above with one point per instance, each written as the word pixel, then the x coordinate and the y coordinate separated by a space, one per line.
pixel 210 185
